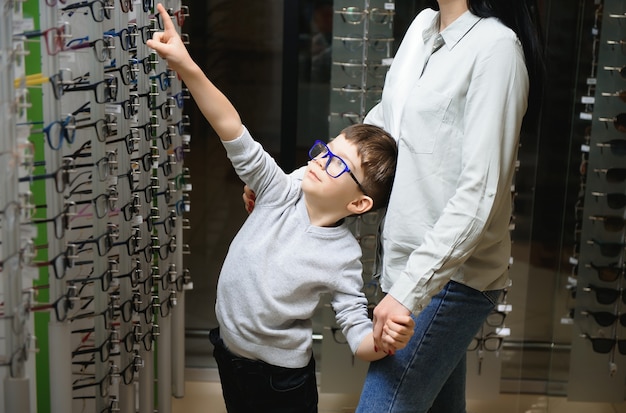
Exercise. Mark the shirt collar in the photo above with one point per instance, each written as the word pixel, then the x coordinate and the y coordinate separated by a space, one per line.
pixel 453 33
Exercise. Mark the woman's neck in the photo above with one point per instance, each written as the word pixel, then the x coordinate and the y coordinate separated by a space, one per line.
pixel 449 11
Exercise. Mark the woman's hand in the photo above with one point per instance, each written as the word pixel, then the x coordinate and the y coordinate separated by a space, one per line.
pixel 248 198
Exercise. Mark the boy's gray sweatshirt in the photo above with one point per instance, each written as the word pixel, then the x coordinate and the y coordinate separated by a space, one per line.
pixel 279 264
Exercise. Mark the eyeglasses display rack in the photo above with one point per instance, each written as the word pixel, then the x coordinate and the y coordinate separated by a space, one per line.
pixel 15 247
pixel 93 205
pixel 361 52
pixel 598 355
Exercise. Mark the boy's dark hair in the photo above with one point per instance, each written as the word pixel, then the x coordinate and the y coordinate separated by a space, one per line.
pixel 379 153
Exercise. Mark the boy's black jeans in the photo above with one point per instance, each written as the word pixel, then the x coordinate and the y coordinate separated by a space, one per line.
pixel 255 386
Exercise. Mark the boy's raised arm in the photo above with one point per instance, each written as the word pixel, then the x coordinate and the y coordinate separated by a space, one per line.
pixel 215 107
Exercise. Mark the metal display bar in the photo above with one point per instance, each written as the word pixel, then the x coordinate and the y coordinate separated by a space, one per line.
pixel 113 166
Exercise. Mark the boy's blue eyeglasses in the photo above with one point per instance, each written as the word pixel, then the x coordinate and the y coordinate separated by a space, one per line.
pixel 335 166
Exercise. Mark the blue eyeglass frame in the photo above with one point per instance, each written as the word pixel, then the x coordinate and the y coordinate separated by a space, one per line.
pixel 330 155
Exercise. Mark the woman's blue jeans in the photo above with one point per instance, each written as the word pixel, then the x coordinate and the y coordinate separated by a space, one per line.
pixel 428 375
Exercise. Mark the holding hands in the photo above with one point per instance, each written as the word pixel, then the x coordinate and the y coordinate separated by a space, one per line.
pixel 395 333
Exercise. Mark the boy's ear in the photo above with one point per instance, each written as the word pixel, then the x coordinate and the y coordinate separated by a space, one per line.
pixel 360 205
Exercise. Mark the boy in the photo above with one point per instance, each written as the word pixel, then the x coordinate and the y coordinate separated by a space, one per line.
pixel 290 250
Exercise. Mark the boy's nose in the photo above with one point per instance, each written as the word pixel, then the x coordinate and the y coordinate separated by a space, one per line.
pixel 318 162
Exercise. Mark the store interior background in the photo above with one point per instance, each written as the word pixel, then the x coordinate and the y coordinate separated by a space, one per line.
pixel 259 54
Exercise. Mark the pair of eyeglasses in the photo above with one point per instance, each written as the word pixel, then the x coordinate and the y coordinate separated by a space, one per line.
pixel 127 35
pixel 16 361
pixel 166 108
pixel 604 345
pixel 149 249
pixel 134 274
pixel 182 181
pixel 105 279
pixel 167 166
pixel 614 200
pixel 168 248
pixel 334 166
pixel 620 43
pixel 104 90
pixel 621 70
pixel 164 79
pixel 103 242
pixel 172 279
pixel 149 128
pixel 617 146
pixel 54 37
pixel 100 9
pixel 353 93
pixel 608 249
pixel 106 349
pixel 131 141
pixel 104 384
pixel 104 127
pixel 127 72
pixel 58 131
pixel 611 223
pixel 149 191
pixel 168 224
pixel 621 94
pixel 147 62
pixel 167 137
pixel 613 175
pixel 489 342
pixel 181 96
pixel 102 48
pixel 605 318
pixel 355 42
pixel 354 15
pixel 495 318
pixel 62 305
pixel 67 258
pixel 128 372
pixel 10 214
pixel 606 295
pixel 146 33
pixel 61 221
pixel 166 306
pixel 149 311
pixel 608 273
pixel 355 69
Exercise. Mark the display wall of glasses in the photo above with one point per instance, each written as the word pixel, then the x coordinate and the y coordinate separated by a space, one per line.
pixel 362 49
pixel 93 203
pixel 598 354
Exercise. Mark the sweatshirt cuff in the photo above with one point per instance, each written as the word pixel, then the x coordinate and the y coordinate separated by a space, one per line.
pixel 238 145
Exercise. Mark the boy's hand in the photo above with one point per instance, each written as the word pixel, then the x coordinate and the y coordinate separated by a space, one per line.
pixel 168 43
pixel 397 332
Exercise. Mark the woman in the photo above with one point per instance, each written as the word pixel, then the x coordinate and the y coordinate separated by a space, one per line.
pixel 454 98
